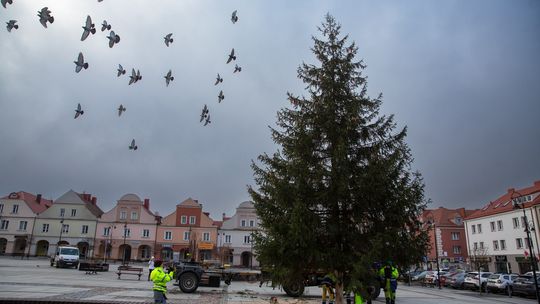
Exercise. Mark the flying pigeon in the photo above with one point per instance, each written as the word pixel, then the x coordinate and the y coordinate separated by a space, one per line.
pixel 80 64
pixel 133 146
pixel 169 77
pixel 4 2
pixel 204 113
pixel 113 38
pixel 220 96
pixel 121 109
pixel 207 121
pixel 168 39
pixel 88 28
pixel 105 26
pixel 11 25
pixel 218 79
pixel 237 68
pixel 231 56
pixel 134 76
pixel 120 70
pixel 45 15
pixel 79 111
pixel 234 18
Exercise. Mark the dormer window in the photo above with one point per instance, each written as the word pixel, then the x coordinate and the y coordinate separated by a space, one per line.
pixel 458 220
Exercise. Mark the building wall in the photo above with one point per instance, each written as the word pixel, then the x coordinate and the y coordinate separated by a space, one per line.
pixel 17 239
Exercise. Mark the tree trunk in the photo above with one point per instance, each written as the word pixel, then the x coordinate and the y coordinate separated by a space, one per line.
pixel 339 288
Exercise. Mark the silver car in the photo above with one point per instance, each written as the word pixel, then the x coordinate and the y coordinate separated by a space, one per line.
pixel 501 282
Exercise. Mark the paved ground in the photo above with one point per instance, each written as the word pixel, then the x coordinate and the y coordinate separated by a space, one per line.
pixel 35 279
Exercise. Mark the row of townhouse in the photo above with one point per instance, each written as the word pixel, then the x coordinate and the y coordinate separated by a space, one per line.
pixel 497 236
pixel 33 226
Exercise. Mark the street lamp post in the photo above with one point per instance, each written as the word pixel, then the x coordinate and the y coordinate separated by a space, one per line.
pixel 61 230
pixel 432 223
pixel 532 257
pixel 124 251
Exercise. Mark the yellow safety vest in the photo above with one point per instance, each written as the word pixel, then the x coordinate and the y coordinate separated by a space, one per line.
pixel 160 279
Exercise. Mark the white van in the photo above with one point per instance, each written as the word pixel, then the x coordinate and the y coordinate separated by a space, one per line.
pixel 66 257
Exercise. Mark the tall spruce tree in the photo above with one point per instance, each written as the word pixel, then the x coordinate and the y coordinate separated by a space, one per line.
pixel 339 194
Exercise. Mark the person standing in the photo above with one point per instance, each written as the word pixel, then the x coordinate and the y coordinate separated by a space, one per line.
pixel 150 266
pixel 327 285
pixel 389 275
pixel 160 279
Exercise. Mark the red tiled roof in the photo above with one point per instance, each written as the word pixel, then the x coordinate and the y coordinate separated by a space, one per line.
pixel 445 217
pixel 31 201
pixel 503 203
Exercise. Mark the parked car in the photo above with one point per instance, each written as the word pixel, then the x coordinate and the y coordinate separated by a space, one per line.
pixel 524 285
pixel 457 281
pixel 420 277
pixel 471 280
pixel 446 277
pixel 501 282
pixel 410 274
pixel 432 278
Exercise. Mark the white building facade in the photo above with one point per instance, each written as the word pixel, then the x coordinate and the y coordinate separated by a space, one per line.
pixel 235 241
pixel 496 235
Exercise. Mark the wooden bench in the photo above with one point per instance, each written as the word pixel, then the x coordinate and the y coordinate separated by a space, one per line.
pixel 124 269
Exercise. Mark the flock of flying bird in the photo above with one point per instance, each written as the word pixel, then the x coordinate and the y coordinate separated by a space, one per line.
pixel 45 16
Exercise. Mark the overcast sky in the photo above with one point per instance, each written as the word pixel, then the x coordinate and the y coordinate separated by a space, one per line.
pixel 464 76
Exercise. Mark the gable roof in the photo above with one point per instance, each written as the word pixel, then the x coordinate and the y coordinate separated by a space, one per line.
pixel 504 203
pixel 72 197
pixel 190 203
pixel 446 217
pixel 31 200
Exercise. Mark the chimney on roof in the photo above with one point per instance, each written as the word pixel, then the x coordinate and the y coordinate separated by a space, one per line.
pixel 223 216
pixel 147 204
pixel 511 190
pixel 94 200
pixel 38 198
pixel 207 213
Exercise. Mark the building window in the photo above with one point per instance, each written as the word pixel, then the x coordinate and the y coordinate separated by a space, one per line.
pixel 519 243
pixel 499 225
pixel 495 245
pixel 243 223
pixel 455 236
pixel 127 232
pixel 123 215
pixel 183 219
pixel 206 236
pixel 473 227
pixel 22 225
pixel 457 249
pixel 134 215
pixel 481 245
pixel 492 224
pixel 62 212
pixel 4 225
pixel 523 220
pixel 515 221
pixel 106 231
pixel 186 235
pixel 84 229
pixel 15 209
pixel 1 208
pixel 146 233
pixel 65 228
pixel 479 228
pixel 528 243
pixel 503 245
pixel 251 223
pixel 73 212
pixel 227 239
pixel 247 239
pixel 45 228
pixel 458 220
pixel 192 220
pixel 168 235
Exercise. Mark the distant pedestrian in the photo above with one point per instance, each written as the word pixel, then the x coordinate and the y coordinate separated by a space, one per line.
pixel 150 266
pixel 160 279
